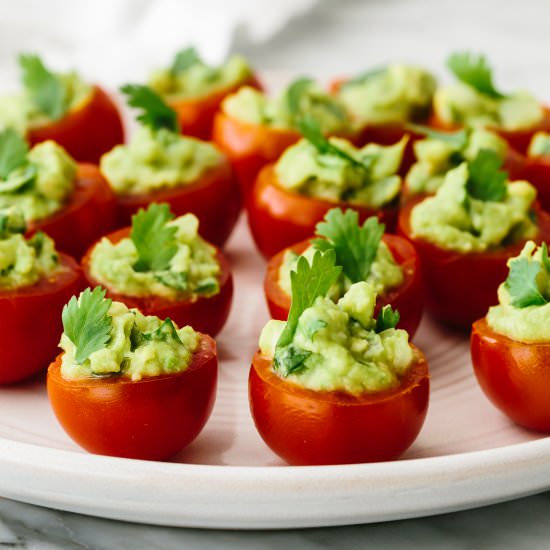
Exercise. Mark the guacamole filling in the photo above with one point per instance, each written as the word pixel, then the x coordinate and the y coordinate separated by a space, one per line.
pixel 343 350
pixel 389 95
pixel 157 159
pixel 366 177
pixel 435 157
pixel 539 146
pixel 523 312
pixel 23 262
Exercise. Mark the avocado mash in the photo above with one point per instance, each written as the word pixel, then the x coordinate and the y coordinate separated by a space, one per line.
pixel 540 145
pixel 346 353
pixel 393 94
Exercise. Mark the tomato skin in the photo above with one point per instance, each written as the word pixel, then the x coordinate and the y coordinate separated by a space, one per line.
pixel 89 214
pixel 279 218
pixel 537 172
pixel 515 376
pixel 86 133
pixel 214 198
pixel 460 288
pixel 30 322
pixel 408 298
pixel 149 419
pixel 306 427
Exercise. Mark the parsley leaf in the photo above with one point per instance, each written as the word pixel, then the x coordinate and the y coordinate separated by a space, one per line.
pixel 355 246
pixel 387 318
pixel 456 139
pixel 86 322
pixel 486 181
pixel 474 70
pixel 13 152
pixel 154 240
pixel 294 94
pixel 184 59
pixel 156 114
pixel 290 359
pixel 44 87
pixel 522 283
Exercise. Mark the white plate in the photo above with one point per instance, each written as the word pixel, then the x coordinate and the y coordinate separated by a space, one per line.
pixel 467 455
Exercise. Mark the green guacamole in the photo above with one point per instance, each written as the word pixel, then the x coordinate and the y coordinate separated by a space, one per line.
pixel 302 169
pixel 254 107
pixel 393 94
pixel 41 188
pixel 346 353
pixel 454 220
pixel 156 160
pixel 23 262
pixel 193 271
pixel 525 324
pixel 540 145
pixel 138 347
pixel 200 79
pixel 436 157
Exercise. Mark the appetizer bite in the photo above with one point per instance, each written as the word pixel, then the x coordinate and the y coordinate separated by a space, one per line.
pixel 466 232
pixel 387 262
pixel 35 282
pixel 510 346
pixel 162 267
pixel 475 101
pixel 62 107
pixel 254 129
pixel 537 167
pixel 333 385
pixel 128 385
pixel 70 202
pixel 195 90
pixel 291 196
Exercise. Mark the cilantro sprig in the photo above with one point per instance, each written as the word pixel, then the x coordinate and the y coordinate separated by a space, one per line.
pixel 486 181
pixel 13 152
pixel 387 318
pixel 456 139
pixel 185 59
pixel 86 322
pixel 355 246
pixel 156 114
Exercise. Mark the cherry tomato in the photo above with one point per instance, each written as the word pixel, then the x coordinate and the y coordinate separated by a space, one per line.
pixel 537 172
pixel 460 288
pixel 279 218
pixel 89 214
pixel 87 132
pixel 514 375
pixel 306 427
pixel 206 314
pixel 406 298
pixel 215 199
pixel 149 419
pixel 30 322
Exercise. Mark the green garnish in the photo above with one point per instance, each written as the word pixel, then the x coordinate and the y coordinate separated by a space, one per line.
pixel 173 279
pixel 387 318
pixel 457 139
pixel 12 222
pixel 86 322
pixel 486 182
pixel 355 246
pixel 294 94
pixel 13 152
pixel 154 240
pixel 156 114
pixel 474 70
pixel 184 59
pixel 365 76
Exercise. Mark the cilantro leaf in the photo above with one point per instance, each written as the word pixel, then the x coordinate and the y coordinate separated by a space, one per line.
pixel 44 87
pixel 387 318
pixel 294 94
pixel 365 76
pixel 86 322
pixel 154 240
pixel 291 359
pixel 165 333
pixel 184 59
pixel 486 181
pixel 156 114
pixel 12 222
pixel 522 285
pixel 173 279
pixel 13 152
pixel 474 70
pixel 545 258
pixel 355 246
pixel 456 139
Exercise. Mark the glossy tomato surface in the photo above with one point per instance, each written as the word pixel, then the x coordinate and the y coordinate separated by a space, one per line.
pixel 149 419
pixel 537 172
pixel 206 314
pixel 306 427
pixel 408 298
pixel 30 322
pixel 89 213
pixel 279 218
pixel 514 375
pixel 87 132
pixel 215 199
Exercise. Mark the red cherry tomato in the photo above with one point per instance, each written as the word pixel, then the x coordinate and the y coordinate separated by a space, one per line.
pixel 30 322
pixel 215 199
pixel 406 298
pixel 306 427
pixel 206 314
pixel 87 132
pixel 514 375
pixel 460 288
pixel 149 419
pixel 89 214
pixel 537 172
pixel 279 218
